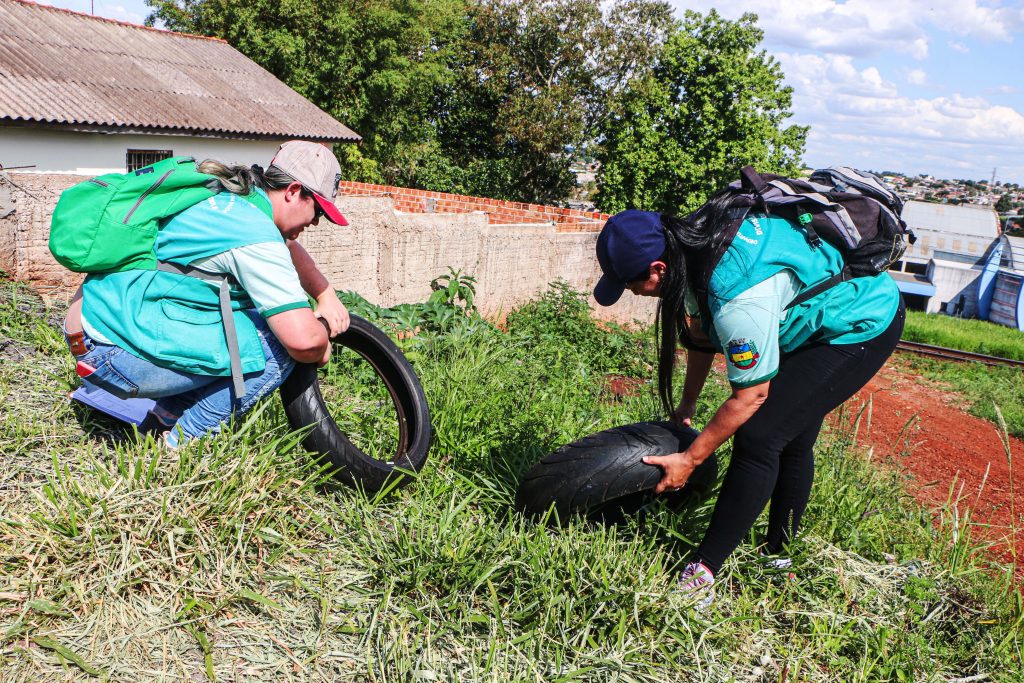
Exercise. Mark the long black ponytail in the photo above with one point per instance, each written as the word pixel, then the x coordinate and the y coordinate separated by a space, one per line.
pixel 689 242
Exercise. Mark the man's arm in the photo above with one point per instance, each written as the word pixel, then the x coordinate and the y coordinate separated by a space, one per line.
pixel 313 282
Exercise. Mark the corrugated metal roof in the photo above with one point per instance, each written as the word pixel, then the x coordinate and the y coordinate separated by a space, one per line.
pixel 1013 254
pixel 61 67
pixel 967 220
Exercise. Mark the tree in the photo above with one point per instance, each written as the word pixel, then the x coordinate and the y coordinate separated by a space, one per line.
pixel 712 104
pixel 1005 203
pixel 375 66
pixel 532 85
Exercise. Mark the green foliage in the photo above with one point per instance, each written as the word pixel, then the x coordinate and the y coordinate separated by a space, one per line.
pixel 374 66
pixel 979 336
pixel 559 323
pixel 712 104
pixel 534 80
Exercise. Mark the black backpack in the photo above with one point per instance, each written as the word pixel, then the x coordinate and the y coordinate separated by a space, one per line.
pixel 852 210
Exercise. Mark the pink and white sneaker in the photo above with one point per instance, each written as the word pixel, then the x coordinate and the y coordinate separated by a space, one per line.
pixel 697 583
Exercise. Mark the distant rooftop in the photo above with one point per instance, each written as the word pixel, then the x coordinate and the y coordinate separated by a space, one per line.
pixel 964 219
pixel 68 70
pixel 1013 254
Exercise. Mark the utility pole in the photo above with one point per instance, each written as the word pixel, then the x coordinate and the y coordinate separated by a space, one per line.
pixel 992 184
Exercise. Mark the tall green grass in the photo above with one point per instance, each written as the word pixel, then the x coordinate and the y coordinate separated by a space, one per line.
pixel 978 336
pixel 233 559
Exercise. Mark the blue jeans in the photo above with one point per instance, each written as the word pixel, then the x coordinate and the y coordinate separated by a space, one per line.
pixel 200 403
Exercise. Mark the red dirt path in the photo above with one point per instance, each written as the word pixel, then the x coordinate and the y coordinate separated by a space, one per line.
pixel 945 446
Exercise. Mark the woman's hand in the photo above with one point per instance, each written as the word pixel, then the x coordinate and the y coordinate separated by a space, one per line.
pixel 683 414
pixel 332 311
pixel 677 466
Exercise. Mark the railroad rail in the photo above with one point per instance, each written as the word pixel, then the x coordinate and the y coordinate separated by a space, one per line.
pixel 956 354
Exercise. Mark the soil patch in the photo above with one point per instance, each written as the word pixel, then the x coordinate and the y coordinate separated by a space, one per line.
pixel 926 431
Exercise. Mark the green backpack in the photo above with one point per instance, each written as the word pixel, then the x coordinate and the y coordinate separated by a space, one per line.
pixel 109 224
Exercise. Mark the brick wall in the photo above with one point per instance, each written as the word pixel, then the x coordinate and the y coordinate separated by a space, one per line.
pixel 386 254
pixel 498 211
pixel 34 196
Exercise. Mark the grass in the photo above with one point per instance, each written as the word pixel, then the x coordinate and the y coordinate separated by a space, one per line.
pixel 985 388
pixel 979 336
pixel 229 560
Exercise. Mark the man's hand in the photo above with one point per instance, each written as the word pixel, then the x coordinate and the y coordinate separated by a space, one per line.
pixel 678 468
pixel 330 309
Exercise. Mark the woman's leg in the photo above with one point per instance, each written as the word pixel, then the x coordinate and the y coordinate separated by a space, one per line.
pixel 213 404
pixel 811 383
pixel 792 488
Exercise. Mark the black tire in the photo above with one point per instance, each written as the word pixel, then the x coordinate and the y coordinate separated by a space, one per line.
pixel 603 476
pixel 304 405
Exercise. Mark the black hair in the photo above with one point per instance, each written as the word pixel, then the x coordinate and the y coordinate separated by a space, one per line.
pixel 689 241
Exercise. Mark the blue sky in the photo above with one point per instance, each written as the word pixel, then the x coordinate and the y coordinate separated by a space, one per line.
pixel 917 86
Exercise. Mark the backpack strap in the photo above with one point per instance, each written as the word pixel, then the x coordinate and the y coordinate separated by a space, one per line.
pixel 751 179
pixel 228 320
pixel 811 292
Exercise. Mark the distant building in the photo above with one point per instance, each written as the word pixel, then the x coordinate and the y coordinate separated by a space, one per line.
pixel 1001 287
pixel 941 271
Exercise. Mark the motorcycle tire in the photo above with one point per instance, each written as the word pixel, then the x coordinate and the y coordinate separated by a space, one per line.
pixel 305 407
pixel 603 476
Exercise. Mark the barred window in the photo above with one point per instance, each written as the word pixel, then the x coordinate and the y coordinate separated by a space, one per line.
pixel 137 158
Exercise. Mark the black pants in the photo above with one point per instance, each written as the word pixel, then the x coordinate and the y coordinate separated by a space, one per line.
pixel 773 452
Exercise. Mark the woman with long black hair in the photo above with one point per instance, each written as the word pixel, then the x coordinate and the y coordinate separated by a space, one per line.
pixel 788 367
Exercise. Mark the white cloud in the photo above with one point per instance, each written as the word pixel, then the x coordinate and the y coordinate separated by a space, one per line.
pixel 959 47
pixel 917 77
pixel 864 27
pixel 859 118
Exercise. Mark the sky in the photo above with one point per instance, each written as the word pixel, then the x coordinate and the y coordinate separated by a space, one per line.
pixel 915 86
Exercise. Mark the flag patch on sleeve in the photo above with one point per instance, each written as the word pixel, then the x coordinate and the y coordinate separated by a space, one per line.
pixel 742 353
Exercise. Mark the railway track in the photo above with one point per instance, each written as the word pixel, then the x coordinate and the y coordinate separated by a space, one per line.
pixel 956 354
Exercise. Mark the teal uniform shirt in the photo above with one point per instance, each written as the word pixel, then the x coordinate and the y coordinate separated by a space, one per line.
pixel 174 321
pixel 767 265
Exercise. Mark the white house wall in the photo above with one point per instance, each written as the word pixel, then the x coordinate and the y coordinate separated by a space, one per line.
pixel 90 154
pixel 951 280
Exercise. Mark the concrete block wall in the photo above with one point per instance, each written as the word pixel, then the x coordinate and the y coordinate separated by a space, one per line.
pixel 386 255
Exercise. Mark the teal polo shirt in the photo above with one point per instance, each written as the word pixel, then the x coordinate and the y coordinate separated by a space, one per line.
pixel 767 265
pixel 175 321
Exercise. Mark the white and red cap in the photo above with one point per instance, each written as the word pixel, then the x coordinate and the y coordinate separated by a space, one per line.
pixel 316 167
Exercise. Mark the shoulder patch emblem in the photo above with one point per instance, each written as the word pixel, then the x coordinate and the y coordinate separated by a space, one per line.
pixel 742 353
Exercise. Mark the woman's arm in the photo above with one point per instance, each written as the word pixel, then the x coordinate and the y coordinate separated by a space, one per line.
pixel 729 417
pixel 698 365
pixel 313 282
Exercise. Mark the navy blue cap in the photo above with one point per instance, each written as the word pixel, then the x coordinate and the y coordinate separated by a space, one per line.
pixel 628 244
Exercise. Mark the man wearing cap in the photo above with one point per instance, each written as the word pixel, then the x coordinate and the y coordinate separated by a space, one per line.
pixel 161 333
pixel 790 359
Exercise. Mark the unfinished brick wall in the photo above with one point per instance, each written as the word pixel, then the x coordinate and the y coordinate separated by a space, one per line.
pixel 387 256
pixel 498 211
pixel 34 196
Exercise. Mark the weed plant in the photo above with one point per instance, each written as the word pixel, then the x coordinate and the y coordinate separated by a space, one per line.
pixel 232 559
